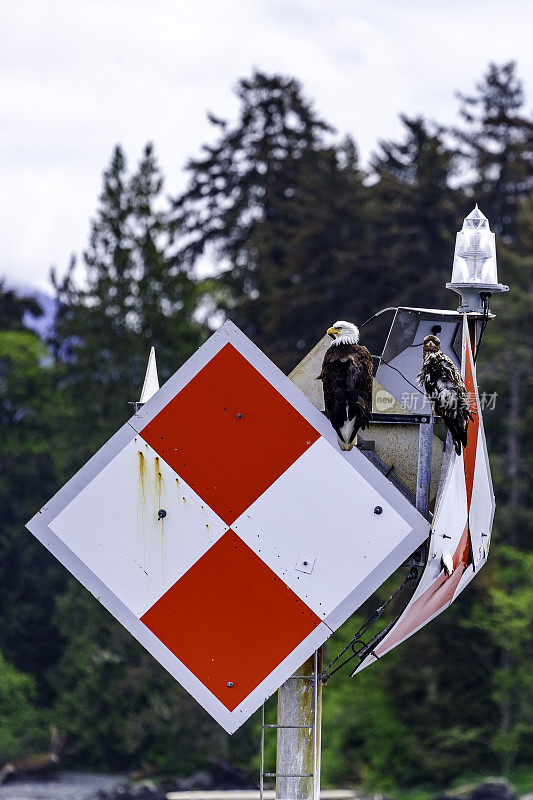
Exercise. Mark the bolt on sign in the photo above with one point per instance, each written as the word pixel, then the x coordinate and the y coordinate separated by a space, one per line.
pixel 223 527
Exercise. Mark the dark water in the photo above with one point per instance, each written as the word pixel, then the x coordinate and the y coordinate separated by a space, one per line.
pixel 66 786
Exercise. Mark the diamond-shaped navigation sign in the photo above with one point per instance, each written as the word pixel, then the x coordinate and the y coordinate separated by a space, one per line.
pixel 226 531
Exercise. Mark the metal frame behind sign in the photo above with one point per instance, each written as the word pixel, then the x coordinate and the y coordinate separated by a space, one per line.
pixel 455 528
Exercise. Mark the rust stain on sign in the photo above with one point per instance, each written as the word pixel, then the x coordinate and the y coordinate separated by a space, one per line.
pixel 142 472
pixel 159 481
pixel 141 510
pixel 159 486
pixel 151 499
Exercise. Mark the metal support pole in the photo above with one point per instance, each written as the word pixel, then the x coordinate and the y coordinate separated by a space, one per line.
pixel 423 479
pixel 262 755
pixel 299 727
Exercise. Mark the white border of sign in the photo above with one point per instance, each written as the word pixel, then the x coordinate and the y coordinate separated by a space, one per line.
pixel 39 526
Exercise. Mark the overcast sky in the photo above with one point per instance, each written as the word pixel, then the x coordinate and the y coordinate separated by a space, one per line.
pixel 78 76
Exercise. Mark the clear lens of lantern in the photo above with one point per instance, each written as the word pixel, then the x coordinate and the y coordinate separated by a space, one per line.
pixel 474 261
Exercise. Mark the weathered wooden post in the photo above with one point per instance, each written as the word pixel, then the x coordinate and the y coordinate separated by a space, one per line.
pixel 299 733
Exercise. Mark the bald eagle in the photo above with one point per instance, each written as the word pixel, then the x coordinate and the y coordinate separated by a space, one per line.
pixel 347 381
pixel 444 386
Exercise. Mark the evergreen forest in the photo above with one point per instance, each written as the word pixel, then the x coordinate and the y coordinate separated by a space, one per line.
pixel 283 230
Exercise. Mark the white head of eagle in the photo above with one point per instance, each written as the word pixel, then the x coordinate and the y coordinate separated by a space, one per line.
pixel 343 332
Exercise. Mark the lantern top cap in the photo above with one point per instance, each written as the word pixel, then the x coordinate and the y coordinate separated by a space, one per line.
pixel 476 220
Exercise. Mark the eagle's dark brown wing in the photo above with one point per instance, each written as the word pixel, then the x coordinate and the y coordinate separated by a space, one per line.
pixel 444 386
pixel 347 380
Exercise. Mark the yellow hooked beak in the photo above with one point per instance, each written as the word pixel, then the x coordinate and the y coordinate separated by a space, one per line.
pixel 332 332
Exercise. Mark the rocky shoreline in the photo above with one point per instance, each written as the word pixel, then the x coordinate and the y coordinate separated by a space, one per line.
pixel 491 789
pixel 202 786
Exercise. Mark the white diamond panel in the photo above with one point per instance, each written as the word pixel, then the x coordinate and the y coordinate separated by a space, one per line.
pixel 113 526
pixel 321 506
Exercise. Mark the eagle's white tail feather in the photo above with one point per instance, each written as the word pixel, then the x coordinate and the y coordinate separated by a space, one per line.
pixel 346 431
pixel 346 445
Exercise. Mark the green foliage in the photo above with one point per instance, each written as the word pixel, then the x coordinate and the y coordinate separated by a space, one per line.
pixel 367 742
pixel 505 367
pixel 29 576
pixel 23 729
pixel 506 619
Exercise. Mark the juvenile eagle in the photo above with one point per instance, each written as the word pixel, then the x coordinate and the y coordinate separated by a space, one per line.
pixel 347 381
pixel 444 386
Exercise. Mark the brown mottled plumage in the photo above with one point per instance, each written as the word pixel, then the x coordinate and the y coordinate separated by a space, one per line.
pixel 347 381
pixel 444 386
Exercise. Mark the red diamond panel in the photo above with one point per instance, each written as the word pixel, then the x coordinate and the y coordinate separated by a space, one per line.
pixel 230 620
pixel 229 433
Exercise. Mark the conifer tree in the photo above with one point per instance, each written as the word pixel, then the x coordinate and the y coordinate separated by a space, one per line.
pixel 416 216
pixel 296 232
pixel 130 297
pixel 308 257
pixel 504 368
pixel 13 308
pixel 277 206
pixel 241 179
pixel 496 145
